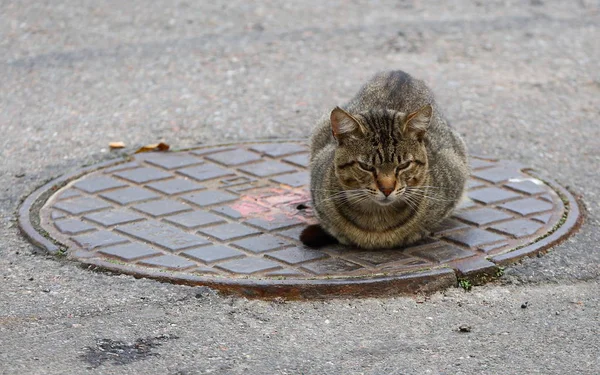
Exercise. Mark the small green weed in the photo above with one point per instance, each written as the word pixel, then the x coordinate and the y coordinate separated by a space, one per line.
pixel 465 284
pixel 500 272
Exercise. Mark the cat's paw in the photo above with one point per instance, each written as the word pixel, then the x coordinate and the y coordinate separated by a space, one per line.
pixel 315 236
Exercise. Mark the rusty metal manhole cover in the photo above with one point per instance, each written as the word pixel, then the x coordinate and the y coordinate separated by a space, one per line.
pixel 229 217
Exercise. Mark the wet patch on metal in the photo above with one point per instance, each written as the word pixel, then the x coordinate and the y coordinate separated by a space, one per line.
pixel 229 217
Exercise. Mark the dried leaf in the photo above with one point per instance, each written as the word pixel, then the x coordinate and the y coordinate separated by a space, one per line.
pixel 114 145
pixel 153 147
pixel 147 148
pixel 162 147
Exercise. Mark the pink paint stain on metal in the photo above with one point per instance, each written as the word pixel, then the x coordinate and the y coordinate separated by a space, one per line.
pixel 249 209
pixel 271 204
pixel 282 198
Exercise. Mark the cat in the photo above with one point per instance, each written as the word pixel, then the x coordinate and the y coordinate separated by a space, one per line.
pixel 385 168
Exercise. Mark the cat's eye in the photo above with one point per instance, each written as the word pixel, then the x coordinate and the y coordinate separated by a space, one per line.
pixel 366 167
pixel 403 166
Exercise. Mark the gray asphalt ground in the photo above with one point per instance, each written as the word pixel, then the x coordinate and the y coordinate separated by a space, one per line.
pixel 518 79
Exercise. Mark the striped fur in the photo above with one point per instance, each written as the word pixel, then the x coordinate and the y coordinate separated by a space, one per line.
pixel 386 167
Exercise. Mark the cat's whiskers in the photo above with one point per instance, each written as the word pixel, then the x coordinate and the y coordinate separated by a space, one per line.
pixel 410 201
pixel 433 197
pixel 359 200
pixel 424 195
pixel 425 192
pixel 352 197
pixel 429 189
pixel 360 197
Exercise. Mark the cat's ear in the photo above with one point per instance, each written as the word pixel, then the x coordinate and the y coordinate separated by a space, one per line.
pixel 416 123
pixel 344 124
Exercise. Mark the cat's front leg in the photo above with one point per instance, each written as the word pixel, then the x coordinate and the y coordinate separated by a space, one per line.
pixel 414 237
pixel 344 241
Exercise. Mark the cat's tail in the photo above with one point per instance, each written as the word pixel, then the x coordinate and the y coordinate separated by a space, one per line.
pixel 315 236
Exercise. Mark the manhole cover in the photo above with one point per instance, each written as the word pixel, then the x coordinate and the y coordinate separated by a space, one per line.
pixel 229 217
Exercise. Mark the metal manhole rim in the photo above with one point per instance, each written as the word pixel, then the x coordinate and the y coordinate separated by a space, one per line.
pixel 419 280
pixel 575 216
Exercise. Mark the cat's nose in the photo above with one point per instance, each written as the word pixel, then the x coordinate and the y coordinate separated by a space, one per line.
pixel 386 190
pixel 386 184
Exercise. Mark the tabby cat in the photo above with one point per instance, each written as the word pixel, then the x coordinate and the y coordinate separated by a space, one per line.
pixel 385 168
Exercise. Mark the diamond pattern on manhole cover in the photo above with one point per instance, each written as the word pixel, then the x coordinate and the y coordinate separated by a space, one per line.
pixel 230 217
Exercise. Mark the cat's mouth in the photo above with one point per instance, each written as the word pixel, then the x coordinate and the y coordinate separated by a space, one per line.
pixel 385 201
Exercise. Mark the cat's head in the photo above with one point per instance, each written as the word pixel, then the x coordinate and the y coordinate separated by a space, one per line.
pixel 381 153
